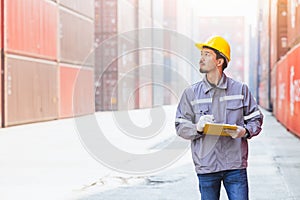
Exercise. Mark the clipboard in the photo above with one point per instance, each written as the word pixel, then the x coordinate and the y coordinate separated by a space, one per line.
pixel 217 129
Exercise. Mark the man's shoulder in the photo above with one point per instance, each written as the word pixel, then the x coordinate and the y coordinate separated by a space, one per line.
pixel 192 89
pixel 197 85
pixel 233 82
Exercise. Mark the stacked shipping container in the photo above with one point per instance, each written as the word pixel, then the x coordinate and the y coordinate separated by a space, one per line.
pixel 288 90
pixel 288 84
pixel 130 74
pixel 106 68
pixel 76 57
pixel 30 67
pixel 145 55
pixel 40 47
pixel 264 51
pixel 293 25
pixel 49 58
pixel 284 26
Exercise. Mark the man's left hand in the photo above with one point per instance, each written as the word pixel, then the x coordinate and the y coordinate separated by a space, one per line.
pixel 238 133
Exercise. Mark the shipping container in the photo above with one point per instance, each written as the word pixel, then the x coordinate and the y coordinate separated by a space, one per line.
pixel 76 38
pixel 288 91
pixel 106 53
pixel 107 91
pixel 85 7
pixel 170 22
pixel 157 55
pixel 282 45
pixel 145 79
pixel 128 55
pixel 31 28
pixel 264 69
pixel 30 90
pixel 76 91
pixel 253 76
pixel 38 36
pixel 293 17
pixel 128 71
pixel 293 83
pixel 274 89
pixel 278 33
pixel 282 102
pixel 145 54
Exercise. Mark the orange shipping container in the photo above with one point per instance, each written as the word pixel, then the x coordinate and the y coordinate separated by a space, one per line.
pixel 293 23
pixel 294 90
pixel 30 90
pixel 31 28
pixel 282 101
pixel 288 91
pixel 76 91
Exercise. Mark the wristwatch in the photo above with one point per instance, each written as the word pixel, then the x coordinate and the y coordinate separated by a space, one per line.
pixel 247 134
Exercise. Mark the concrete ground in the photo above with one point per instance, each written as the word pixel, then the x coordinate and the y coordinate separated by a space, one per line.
pixel 49 160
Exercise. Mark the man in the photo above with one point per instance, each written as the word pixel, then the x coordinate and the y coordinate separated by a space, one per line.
pixel 222 100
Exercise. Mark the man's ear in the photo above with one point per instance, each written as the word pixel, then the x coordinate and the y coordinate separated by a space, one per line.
pixel 220 62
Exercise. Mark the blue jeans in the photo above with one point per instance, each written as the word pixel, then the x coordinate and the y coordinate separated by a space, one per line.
pixel 235 183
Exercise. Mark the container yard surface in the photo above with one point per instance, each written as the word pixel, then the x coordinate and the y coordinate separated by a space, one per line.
pixel 47 161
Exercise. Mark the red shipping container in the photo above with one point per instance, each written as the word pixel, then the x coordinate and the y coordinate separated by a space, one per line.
pixel 294 90
pixel 30 90
pixel 282 94
pixel 76 91
pixel 31 28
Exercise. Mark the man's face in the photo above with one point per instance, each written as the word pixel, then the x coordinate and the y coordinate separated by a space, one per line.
pixel 208 60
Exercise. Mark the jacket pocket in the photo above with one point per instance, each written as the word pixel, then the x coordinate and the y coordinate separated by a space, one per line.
pixel 200 110
pixel 234 112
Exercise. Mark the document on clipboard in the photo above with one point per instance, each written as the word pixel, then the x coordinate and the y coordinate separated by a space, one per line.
pixel 217 129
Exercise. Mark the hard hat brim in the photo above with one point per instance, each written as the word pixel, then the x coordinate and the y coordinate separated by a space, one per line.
pixel 200 45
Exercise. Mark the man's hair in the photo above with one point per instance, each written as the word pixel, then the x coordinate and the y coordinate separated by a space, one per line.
pixel 219 55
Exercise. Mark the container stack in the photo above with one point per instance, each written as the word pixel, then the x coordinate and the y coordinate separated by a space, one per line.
pixel 279 53
pixel 46 73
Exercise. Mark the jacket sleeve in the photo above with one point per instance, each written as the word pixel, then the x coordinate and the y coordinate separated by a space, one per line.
pixel 253 118
pixel 185 118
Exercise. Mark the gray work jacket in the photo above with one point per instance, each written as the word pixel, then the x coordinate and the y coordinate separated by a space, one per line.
pixel 231 103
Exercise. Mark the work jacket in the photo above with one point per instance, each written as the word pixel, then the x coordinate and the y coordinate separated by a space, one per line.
pixel 230 102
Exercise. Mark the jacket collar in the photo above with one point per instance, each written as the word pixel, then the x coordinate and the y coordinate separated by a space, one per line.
pixel 222 83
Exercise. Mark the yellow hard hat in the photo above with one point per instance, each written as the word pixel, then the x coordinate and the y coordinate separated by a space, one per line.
pixel 218 43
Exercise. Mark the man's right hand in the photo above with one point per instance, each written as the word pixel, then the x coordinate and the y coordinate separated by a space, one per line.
pixel 203 120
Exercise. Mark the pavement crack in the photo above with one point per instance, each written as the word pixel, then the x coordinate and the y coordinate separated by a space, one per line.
pixel 162 180
pixel 111 181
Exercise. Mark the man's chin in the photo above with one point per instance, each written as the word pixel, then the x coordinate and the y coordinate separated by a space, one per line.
pixel 202 71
